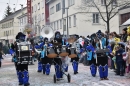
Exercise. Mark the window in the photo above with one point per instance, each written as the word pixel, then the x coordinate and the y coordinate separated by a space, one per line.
pixel 58 7
pixel 71 2
pixel 63 1
pixel 69 21
pixel 57 25
pixel 52 10
pixel 95 18
pixel 39 18
pixel 114 2
pixel 124 17
pixel 42 16
pixel 102 2
pixel 38 7
pixel 54 25
pixel 35 7
pixel 32 9
pixel 42 3
pixel 74 20
pixel 60 23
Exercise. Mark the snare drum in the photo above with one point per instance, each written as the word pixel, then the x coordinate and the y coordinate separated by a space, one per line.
pixel 64 51
pixel 72 53
pixel 51 52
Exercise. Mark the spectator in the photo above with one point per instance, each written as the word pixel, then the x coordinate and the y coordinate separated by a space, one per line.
pixel 124 35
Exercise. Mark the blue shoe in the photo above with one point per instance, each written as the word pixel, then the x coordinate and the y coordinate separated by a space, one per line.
pixel 20 78
pixel 105 72
pixel 58 71
pixel 48 68
pixel 93 70
pixel 25 78
pixel 39 67
pixel 75 66
pixel 101 72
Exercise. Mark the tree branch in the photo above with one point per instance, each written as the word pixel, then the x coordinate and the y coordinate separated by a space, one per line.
pixel 99 12
pixel 113 15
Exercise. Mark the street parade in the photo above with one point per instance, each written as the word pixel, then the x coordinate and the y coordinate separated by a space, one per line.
pixel 60 51
pixel 65 43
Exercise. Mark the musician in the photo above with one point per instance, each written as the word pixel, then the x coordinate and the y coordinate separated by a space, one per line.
pixel 44 63
pixel 39 60
pixel 102 58
pixel 21 69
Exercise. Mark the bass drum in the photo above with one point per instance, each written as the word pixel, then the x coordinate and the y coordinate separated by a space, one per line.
pixel 64 51
pixel 72 53
pixel 51 52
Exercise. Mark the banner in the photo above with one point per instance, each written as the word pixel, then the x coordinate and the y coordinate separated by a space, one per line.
pixel 29 11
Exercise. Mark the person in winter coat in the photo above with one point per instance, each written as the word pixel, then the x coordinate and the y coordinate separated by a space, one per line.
pixel 119 61
pixel 1 53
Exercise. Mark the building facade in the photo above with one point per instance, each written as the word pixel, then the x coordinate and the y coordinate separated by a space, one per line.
pixel 9 26
pixel 79 22
pixel 124 15
pixel 22 22
pixel 38 15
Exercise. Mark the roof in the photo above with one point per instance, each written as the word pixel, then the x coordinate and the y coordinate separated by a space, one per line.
pixel 12 15
pixel 23 15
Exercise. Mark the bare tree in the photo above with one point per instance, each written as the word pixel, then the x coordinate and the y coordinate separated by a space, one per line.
pixel 106 8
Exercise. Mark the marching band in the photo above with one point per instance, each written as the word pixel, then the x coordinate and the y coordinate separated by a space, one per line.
pixel 59 50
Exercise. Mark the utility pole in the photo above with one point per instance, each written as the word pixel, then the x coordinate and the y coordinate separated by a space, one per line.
pixel 67 22
pixel 62 18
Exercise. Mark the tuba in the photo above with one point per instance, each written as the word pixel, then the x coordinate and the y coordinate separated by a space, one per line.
pixel 47 31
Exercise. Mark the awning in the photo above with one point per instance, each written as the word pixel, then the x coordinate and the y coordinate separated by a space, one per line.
pixel 126 23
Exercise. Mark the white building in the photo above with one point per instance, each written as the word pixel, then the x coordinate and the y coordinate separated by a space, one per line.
pixel 22 22
pixel 9 26
pixel 38 14
pixel 79 22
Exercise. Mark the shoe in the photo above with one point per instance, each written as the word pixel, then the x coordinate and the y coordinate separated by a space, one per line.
pixel 101 78
pixel 39 71
pixel 20 83
pixel 27 84
pixel 106 79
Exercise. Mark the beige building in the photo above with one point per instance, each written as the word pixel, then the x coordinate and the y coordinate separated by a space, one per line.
pixel 9 26
pixel 79 22
pixel 38 15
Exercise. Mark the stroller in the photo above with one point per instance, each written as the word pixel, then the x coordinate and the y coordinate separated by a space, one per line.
pixel 61 68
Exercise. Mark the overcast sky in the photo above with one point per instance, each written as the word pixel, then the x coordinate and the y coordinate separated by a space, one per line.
pixel 12 3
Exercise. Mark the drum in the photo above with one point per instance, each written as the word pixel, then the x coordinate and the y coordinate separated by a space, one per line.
pixel 51 52
pixel 72 53
pixel 64 51
pixel 24 53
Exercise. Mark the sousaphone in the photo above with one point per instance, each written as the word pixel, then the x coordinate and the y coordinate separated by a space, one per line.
pixel 48 32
